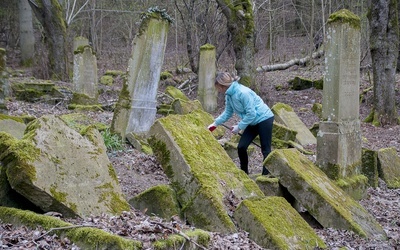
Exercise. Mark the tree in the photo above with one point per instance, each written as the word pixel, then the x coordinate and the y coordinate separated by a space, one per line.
pixel 27 41
pixel 240 24
pixel 384 43
pixel 50 15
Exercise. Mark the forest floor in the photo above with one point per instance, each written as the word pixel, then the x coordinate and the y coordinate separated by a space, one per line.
pixel 137 171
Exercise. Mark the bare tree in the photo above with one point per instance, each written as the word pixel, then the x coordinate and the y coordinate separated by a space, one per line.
pixel 384 46
pixel 50 15
pixel 27 40
pixel 240 24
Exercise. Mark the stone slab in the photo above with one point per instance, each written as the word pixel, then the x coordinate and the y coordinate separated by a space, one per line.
pixel 389 167
pixel 322 198
pixel 58 169
pixel 264 218
pixel 285 115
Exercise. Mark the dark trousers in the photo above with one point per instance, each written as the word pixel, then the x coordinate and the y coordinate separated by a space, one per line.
pixel 264 131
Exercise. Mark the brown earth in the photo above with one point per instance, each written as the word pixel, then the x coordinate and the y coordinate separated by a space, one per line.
pixel 137 171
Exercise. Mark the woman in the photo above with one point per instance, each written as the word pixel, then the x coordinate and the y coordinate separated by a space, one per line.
pixel 256 117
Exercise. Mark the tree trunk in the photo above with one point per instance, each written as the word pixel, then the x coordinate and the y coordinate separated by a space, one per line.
pixel 27 41
pixel 384 40
pixel 50 15
pixel 240 22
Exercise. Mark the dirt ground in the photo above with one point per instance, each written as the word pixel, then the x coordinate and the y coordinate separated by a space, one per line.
pixel 137 171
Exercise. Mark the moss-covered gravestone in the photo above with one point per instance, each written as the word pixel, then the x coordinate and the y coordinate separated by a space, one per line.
pixel 85 77
pixel 389 167
pixel 136 108
pixel 284 114
pixel 58 169
pixel 323 199
pixel 207 94
pixel 208 183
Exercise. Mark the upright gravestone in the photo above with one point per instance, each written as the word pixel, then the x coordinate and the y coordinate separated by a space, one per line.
pixel 4 83
pixel 207 94
pixel 137 104
pixel 80 41
pixel 85 76
pixel 339 137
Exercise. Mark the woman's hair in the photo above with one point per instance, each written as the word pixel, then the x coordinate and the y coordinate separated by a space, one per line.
pixel 225 79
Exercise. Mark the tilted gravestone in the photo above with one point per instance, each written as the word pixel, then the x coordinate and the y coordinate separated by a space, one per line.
pixel 136 108
pixel 284 114
pixel 339 138
pixel 58 169
pixel 208 184
pixel 206 93
pixel 322 198
pixel 389 167
pixel 85 77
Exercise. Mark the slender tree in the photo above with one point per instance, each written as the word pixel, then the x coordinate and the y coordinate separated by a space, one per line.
pixel 27 41
pixel 50 15
pixel 384 47
pixel 240 24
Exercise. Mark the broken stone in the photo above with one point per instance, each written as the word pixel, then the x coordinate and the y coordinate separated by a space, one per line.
pixel 264 218
pixel 285 115
pixel 159 200
pixel 58 169
pixel 323 199
pixel 389 167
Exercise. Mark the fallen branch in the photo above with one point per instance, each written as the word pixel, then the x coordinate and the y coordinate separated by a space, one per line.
pixel 296 61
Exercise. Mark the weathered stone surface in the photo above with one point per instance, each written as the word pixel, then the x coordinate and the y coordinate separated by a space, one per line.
pixel 285 115
pixel 264 218
pixel 323 199
pixel 159 200
pixel 389 167
pixel 13 125
pixel 58 169
pixel 201 172
pixel 370 166
pixel 206 92
pixel 137 103
pixel 85 76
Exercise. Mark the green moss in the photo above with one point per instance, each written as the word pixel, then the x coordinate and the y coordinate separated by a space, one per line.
pixel 59 196
pixel 207 46
pixel 345 16
pixel 114 73
pixel 267 210
pixel 107 80
pixel 176 241
pixel 9 117
pixel 84 237
pixel 165 75
pixel 303 166
pixel 278 106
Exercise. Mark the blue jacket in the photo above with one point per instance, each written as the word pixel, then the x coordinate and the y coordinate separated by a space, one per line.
pixel 246 104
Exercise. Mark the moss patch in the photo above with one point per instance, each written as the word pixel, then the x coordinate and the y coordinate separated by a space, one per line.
pixel 84 237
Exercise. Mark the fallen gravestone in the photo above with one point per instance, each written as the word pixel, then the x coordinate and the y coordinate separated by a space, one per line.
pixel 208 184
pixel 58 169
pixel 322 198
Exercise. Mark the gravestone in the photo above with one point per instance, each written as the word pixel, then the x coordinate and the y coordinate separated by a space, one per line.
pixel 4 83
pixel 80 41
pixel 136 108
pixel 284 114
pixel 207 94
pixel 85 77
pixel 339 137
